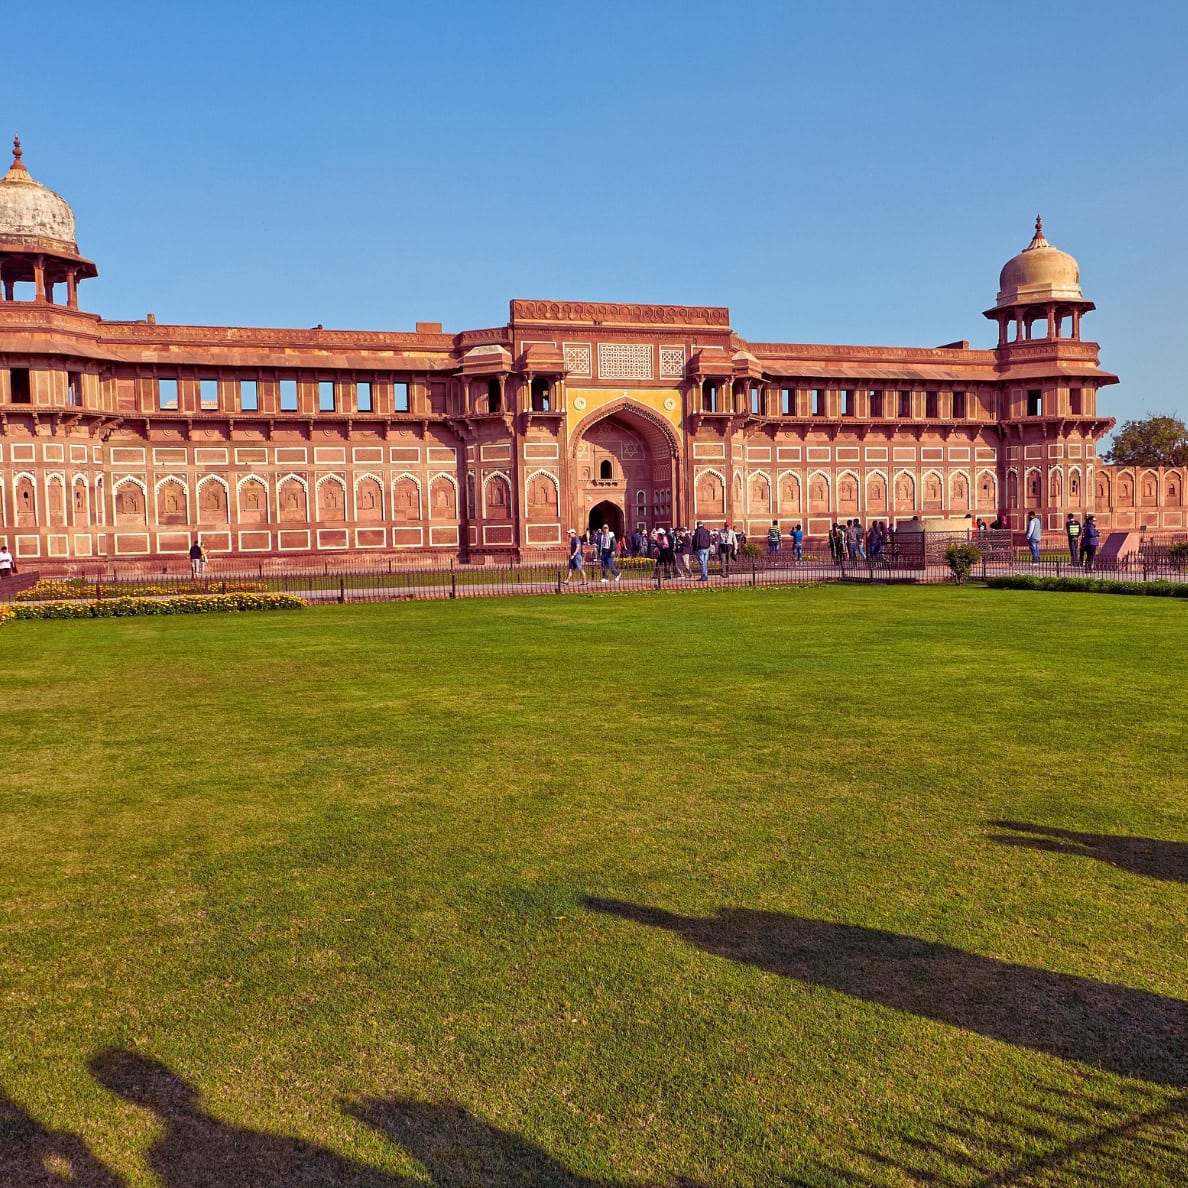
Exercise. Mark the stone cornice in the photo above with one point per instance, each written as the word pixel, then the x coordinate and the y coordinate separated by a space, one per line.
pixel 602 313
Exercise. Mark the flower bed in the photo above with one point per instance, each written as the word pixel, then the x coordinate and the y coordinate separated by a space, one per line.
pixel 184 604
pixel 1088 585
pixel 49 589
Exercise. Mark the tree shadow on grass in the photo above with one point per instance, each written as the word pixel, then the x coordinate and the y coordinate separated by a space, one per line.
pixel 1132 1033
pixel 198 1150
pixel 460 1150
pixel 33 1157
pixel 1166 860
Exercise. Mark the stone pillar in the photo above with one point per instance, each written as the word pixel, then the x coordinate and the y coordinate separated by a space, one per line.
pixel 72 289
pixel 39 293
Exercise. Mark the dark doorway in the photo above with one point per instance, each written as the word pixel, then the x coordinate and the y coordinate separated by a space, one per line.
pixel 606 513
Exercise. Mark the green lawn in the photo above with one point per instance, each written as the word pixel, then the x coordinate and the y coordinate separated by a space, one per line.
pixel 796 886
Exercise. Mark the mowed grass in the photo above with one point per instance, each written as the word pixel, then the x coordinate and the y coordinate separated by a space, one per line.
pixel 749 887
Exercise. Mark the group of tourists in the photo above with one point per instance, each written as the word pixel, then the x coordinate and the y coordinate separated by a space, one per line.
pixel 674 552
pixel 1083 539
pixel 859 543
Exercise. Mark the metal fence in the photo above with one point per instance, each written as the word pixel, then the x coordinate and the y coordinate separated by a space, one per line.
pixel 375 580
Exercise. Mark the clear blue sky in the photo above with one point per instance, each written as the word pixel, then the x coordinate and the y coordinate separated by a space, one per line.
pixel 850 172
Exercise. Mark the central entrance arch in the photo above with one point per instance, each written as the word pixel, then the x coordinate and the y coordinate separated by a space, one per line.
pixel 607 513
pixel 624 465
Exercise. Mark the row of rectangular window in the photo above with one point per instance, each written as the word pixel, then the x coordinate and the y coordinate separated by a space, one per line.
pixel 878 403
pixel 249 396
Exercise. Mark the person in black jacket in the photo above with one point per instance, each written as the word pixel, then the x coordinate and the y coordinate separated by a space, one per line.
pixel 701 546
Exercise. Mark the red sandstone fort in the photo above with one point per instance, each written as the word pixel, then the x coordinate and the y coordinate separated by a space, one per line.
pixel 124 440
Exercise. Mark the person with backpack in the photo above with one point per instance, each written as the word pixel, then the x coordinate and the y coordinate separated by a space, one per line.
pixel 773 539
pixel 798 543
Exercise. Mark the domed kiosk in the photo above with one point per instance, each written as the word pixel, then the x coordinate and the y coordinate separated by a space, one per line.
pixel 37 238
pixel 1040 284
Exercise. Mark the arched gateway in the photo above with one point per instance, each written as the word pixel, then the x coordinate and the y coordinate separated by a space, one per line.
pixel 625 461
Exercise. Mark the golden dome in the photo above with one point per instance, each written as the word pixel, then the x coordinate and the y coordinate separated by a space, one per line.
pixel 1039 273
pixel 33 217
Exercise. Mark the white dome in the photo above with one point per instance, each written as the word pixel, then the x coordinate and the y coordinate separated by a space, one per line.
pixel 32 216
pixel 1039 273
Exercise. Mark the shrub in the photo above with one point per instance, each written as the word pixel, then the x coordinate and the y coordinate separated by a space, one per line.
pixel 1177 554
pixel 961 558
pixel 185 604
pixel 1088 585
pixel 750 550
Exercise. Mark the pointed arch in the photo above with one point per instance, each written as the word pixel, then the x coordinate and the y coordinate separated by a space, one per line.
pixel 819 488
pixel 172 497
pixel 330 492
pixel 130 496
pixel 960 496
pixel 788 493
pixel 905 492
pixel 877 493
pixel 848 501
pixel 443 496
pixel 292 499
pixel 987 491
pixel 497 493
pixel 369 498
pixel 80 500
pixel 709 492
pixel 251 497
pixel 759 493
pixel 214 499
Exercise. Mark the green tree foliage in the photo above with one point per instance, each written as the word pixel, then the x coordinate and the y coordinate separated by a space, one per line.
pixel 1153 441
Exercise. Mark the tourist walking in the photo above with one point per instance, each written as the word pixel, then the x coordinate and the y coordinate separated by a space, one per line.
pixel 1090 539
pixel 681 548
pixel 577 560
pixel 773 539
pixel 197 558
pixel 1072 529
pixel 606 553
pixel 701 546
pixel 1033 534
pixel 853 534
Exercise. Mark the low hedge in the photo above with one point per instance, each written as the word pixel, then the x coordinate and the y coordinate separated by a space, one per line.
pixel 184 604
pixel 1088 585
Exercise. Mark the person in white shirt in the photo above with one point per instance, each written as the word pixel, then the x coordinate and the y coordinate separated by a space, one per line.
pixel 7 565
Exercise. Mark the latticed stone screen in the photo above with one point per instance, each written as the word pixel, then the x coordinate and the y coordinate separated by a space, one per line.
pixel 624 361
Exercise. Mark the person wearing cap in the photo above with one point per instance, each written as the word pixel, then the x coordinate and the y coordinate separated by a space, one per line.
pixel 606 553
pixel 1090 539
pixel 577 560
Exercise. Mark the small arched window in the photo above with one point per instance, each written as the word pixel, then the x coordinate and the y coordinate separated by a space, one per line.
pixel 493 396
pixel 604 469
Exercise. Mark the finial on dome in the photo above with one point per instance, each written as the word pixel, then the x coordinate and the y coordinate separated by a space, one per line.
pixel 18 166
pixel 1038 240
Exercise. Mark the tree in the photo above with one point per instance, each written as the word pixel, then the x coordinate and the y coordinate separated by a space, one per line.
pixel 1154 441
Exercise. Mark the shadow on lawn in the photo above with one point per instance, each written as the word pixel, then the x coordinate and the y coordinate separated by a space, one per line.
pixel 197 1150
pixel 33 1157
pixel 1132 1033
pixel 1140 855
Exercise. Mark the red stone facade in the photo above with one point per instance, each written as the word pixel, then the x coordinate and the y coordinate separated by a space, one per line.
pixel 124 440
